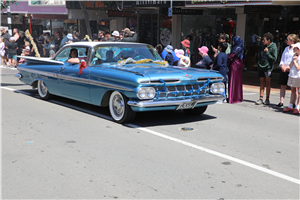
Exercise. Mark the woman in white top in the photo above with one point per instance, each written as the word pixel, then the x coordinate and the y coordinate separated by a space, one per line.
pixel 294 80
pixel 286 59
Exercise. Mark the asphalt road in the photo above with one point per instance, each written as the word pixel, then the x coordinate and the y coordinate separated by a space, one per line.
pixel 63 149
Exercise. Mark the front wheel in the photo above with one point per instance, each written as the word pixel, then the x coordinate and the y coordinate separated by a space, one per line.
pixel 196 111
pixel 43 90
pixel 120 111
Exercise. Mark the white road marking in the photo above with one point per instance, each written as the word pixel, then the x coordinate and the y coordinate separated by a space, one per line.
pixel 249 93
pixel 245 163
pixel 7 67
pixel 14 90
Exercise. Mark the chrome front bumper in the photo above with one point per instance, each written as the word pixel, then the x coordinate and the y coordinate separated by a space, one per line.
pixel 152 103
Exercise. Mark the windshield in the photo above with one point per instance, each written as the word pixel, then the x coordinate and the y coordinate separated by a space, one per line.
pixel 111 54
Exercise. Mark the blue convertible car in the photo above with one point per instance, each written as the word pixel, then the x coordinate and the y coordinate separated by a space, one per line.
pixel 126 77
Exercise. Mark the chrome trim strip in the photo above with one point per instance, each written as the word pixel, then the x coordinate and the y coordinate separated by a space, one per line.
pixel 204 79
pixel 38 72
pixel 18 76
pixel 110 85
pixel 156 81
pixel 152 103
pixel 79 80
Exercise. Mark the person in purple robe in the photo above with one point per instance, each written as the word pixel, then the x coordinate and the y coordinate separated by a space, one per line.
pixel 235 66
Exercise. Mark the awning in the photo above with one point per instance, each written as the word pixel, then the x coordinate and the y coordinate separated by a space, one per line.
pixel 23 7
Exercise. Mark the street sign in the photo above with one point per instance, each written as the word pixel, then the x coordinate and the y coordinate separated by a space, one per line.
pixel 170 12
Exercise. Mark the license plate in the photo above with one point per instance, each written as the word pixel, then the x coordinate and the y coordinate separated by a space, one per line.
pixel 188 105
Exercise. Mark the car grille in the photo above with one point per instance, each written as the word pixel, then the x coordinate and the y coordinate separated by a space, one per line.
pixel 181 90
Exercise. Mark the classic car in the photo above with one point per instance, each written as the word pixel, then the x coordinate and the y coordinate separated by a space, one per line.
pixel 126 77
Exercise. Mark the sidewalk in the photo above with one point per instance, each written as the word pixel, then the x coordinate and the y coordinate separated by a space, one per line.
pixel 250 79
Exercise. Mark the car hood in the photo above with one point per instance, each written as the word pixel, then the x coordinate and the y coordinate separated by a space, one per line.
pixel 155 72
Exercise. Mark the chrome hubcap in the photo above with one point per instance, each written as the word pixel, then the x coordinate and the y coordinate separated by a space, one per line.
pixel 43 89
pixel 118 105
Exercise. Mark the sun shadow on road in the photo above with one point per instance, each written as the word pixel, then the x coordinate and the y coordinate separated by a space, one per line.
pixel 158 118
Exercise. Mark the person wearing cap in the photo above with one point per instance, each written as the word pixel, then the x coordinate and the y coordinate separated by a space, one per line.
pixel 11 49
pixel 115 36
pixel 268 56
pixel 205 62
pixel 129 36
pixel 169 56
pixel 186 45
pixel 164 53
pixel 294 80
pixel 286 59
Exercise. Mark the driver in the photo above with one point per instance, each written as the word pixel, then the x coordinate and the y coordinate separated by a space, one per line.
pixel 110 56
pixel 73 57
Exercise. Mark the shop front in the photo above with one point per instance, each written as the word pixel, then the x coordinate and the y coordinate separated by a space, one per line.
pixel 203 21
pixel 36 17
pixel 278 20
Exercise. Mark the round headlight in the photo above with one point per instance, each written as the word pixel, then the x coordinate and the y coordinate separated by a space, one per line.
pixel 146 93
pixel 217 88
pixel 151 93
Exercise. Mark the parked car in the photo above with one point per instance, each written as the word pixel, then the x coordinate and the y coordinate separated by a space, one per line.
pixel 126 77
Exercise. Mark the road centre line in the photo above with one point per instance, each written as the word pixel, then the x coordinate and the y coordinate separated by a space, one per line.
pixel 245 163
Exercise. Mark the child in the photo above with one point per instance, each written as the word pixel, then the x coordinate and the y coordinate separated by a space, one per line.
pixel 52 52
pixel 169 56
pixel 220 63
pixel 2 51
pixel 294 80
pixel 184 61
pixel 186 45
pixel 11 49
pixel 26 51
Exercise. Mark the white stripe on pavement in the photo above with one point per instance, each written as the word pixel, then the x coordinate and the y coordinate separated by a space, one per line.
pixel 245 163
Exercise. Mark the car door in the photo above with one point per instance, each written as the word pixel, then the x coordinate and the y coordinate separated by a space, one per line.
pixel 72 84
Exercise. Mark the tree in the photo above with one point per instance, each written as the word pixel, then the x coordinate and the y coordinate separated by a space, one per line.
pixel 5 4
pixel 86 18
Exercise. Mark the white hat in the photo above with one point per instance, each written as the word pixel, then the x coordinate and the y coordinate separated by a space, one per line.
pixel 179 53
pixel 169 49
pixel 184 61
pixel 296 45
pixel 69 36
pixel 116 33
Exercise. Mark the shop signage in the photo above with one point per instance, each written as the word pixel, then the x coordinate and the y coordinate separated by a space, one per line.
pixel 263 10
pixel 179 11
pixel 33 21
pixel 91 5
pixel 46 16
pixel 153 3
pixel 199 3
pixel 111 4
pixel 24 7
pixel 113 13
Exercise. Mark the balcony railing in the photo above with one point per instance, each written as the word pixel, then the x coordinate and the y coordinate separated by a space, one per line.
pixel 47 2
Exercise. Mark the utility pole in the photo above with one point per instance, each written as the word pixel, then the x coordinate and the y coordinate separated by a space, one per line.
pixel 9 20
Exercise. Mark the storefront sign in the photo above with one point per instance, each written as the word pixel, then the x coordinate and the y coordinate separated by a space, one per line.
pixel 33 21
pixel 40 16
pixel 153 3
pixel 263 10
pixel 199 3
pixel 112 13
pixel 91 5
pixel 23 7
pixel 179 11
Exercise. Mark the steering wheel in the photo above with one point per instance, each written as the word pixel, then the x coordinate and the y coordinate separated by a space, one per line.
pixel 139 57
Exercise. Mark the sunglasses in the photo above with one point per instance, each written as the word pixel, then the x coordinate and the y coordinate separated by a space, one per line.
pixel 289 39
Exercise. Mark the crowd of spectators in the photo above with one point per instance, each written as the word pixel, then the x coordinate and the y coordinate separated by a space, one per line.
pixel 18 44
